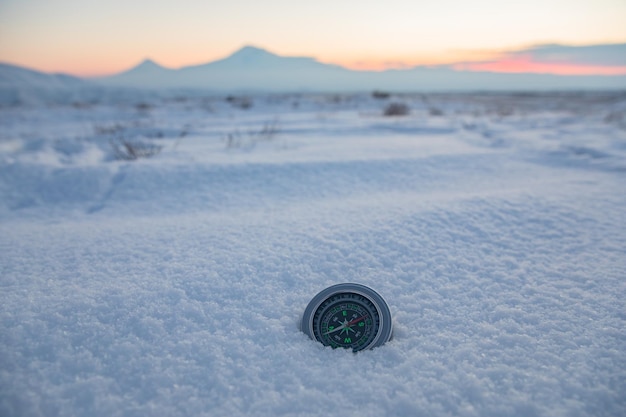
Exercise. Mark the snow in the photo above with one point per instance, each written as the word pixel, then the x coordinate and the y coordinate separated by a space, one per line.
pixel 173 285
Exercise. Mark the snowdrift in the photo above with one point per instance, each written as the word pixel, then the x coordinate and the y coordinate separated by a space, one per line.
pixel 156 255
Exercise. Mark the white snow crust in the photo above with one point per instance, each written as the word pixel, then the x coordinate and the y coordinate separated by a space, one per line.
pixel 494 226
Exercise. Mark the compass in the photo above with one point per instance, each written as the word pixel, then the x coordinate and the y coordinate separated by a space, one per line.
pixel 350 316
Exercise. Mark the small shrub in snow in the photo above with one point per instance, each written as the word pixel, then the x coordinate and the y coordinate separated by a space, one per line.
pixel 267 132
pixel 109 129
pixel 380 95
pixel 143 107
pixel 127 150
pixel 396 109
pixel 243 103
pixel 617 117
pixel 434 111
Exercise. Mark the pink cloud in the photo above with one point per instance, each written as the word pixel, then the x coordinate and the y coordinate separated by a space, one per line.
pixel 555 59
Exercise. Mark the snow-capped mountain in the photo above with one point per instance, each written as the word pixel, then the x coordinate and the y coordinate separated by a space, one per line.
pixel 253 58
pixel 147 73
pixel 249 68
pixel 253 69
pixel 256 69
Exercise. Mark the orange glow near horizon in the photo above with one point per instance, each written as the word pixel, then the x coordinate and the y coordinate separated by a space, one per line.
pixel 87 72
pixel 371 65
pixel 525 64
pixel 430 58
pixel 96 67
pixel 507 64
pixel 489 61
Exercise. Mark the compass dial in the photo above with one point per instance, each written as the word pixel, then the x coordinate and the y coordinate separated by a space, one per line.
pixel 350 316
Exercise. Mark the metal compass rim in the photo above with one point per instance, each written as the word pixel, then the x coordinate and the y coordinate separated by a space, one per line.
pixel 385 326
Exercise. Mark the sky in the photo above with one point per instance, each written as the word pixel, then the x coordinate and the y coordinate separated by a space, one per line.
pixel 94 37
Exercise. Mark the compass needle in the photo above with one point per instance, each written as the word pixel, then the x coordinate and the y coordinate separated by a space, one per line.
pixel 335 329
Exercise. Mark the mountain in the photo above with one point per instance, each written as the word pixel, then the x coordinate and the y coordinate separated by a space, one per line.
pixel 252 69
pixel 253 58
pixel 255 69
pixel 147 74
pixel 12 76
pixel 20 85
pixel 249 68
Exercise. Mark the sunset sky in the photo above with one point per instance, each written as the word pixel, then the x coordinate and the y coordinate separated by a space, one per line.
pixel 99 37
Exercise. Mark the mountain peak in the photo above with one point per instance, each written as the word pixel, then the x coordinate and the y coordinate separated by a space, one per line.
pixel 251 55
pixel 251 51
pixel 148 63
pixel 146 68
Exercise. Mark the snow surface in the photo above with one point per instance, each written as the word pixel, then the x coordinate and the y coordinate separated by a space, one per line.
pixel 494 226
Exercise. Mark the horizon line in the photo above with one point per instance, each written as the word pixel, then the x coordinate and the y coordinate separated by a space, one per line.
pixel 506 61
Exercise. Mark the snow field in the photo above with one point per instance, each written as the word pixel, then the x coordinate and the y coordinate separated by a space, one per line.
pixel 173 285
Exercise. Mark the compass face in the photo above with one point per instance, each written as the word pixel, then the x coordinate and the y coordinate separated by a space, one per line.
pixel 350 316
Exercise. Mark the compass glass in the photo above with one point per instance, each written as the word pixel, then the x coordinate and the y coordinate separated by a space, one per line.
pixel 346 320
pixel 348 316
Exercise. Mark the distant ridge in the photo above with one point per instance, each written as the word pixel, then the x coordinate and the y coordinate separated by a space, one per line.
pixel 148 65
pixel 19 85
pixel 14 76
pixel 253 69
pixel 249 68
pixel 249 55
pixel 136 76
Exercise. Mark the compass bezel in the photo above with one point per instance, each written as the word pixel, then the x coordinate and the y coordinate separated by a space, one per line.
pixel 384 331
